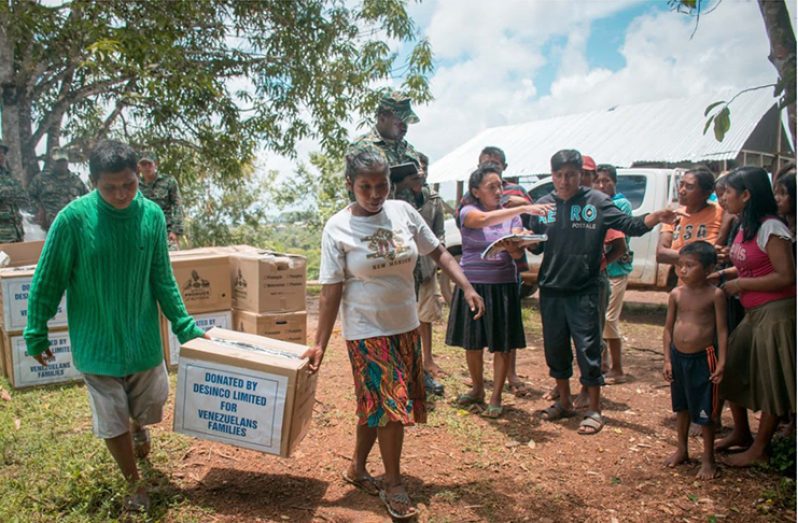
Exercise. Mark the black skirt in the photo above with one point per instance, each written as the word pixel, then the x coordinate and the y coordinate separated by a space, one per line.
pixel 500 329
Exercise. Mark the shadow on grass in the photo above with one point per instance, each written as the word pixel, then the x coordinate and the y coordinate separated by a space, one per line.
pixel 253 495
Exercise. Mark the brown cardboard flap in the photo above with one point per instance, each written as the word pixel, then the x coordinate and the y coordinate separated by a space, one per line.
pixel 209 350
pixel 23 253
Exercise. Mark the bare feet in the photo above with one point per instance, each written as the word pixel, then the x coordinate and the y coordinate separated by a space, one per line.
pixel 734 439
pixel 614 377
pixel 746 459
pixel 677 458
pixel 708 470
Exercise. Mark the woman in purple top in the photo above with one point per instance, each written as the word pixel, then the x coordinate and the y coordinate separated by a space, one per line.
pixel 482 221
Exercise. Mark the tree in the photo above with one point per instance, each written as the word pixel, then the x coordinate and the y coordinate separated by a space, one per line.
pixel 313 197
pixel 161 75
pixel 782 55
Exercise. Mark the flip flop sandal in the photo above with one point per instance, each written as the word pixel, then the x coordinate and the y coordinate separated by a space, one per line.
pixel 467 400
pixel 591 424
pixel 555 412
pixel 492 411
pixel 142 443
pixel 368 484
pixel 400 498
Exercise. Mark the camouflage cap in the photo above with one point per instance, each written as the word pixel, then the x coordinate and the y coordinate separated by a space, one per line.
pixel 399 103
pixel 148 156
pixel 59 154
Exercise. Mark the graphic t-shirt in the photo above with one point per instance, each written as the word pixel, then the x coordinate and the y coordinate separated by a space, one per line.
pixel 502 268
pixel 703 225
pixel 374 257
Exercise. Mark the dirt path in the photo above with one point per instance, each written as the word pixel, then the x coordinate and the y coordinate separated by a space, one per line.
pixel 460 467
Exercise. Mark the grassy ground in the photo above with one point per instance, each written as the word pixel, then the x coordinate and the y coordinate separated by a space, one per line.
pixel 458 467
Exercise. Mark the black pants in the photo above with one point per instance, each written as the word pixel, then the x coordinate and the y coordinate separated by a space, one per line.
pixel 574 317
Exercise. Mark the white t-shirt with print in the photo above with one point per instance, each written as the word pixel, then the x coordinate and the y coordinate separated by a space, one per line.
pixel 374 257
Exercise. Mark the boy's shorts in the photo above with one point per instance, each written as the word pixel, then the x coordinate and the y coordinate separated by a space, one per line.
pixel 429 308
pixel 691 389
pixel 115 401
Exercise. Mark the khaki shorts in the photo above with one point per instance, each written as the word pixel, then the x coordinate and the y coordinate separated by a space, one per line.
pixel 430 309
pixel 115 401
pixel 611 325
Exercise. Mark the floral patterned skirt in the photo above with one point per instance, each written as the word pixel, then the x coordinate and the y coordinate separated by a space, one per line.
pixel 389 379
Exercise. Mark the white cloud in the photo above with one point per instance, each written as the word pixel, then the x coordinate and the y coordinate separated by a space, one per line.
pixel 490 54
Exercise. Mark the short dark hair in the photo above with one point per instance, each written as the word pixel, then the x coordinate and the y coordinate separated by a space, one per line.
pixel 610 170
pixel 566 157
pixel 702 250
pixel 704 177
pixel 111 156
pixel 369 160
pixel 492 150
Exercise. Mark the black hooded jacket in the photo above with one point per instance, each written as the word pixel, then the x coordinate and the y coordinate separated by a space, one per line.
pixel 576 230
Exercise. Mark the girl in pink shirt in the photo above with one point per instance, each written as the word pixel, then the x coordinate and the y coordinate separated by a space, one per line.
pixel 760 366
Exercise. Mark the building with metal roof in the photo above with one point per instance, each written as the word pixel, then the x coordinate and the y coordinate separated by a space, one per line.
pixel 660 133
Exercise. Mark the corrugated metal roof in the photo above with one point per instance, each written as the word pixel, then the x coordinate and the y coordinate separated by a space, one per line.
pixel 661 131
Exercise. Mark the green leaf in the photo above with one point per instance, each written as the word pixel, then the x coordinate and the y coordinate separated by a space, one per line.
pixel 690 4
pixel 712 106
pixel 722 123
pixel 709 122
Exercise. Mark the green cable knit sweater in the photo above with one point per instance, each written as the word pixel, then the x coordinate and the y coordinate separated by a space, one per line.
pixel 114 265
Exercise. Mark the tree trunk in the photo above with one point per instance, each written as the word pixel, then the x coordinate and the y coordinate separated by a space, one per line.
pixel 9 97
pixel 30 162
pixel 782 51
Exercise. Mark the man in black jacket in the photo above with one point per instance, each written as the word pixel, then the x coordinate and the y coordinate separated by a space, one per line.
pixel 569 280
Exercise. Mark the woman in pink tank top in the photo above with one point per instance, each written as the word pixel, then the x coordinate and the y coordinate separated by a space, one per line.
pixel 760 367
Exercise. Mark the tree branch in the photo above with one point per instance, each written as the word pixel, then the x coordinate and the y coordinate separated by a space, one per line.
pixel 65 99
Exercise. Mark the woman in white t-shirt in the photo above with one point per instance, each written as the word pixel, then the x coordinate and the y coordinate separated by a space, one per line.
pixel 368 252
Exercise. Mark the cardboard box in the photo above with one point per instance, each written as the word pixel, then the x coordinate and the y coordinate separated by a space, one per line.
pixel 232 249
pixel 203 277
pixel 205 321
pixel 24 371
pixel 244 390
pixel 14 288
pixel 286 326
pixel 22 253
pixel 268 282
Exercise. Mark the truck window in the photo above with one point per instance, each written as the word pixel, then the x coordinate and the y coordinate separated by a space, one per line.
pixel 633 188
pixel 539 192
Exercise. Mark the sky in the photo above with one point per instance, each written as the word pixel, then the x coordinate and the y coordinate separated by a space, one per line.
pixel 513 61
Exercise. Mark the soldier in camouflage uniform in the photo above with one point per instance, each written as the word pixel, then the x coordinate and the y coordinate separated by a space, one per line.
pixel 163 190
pixel 12 198
pixel 393 116
pixel 53 189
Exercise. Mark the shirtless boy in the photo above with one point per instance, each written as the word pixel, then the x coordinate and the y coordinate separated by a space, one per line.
pixel 695 326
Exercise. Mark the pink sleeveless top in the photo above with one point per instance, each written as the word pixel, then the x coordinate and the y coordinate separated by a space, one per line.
pixel 753 262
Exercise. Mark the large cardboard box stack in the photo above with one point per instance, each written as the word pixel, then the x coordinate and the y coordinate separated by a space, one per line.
pixel 20 369
pixel 244 390
pixel 269 294
pixel 203 276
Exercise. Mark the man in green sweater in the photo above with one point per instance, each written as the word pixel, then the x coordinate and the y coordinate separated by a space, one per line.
pixel 108 251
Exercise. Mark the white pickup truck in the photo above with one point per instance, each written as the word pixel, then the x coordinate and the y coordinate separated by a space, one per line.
pixel 647 190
